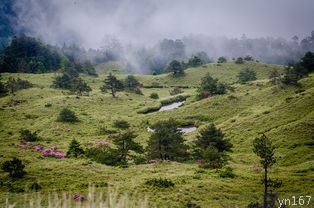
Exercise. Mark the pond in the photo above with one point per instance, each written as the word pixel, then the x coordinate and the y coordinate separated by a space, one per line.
pixel 184 130
pixel 171 106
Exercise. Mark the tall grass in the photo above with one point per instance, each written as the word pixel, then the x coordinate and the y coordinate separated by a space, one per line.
pixel 93 199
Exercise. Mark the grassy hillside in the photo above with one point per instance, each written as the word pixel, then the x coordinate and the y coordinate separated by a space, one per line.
pixel 286 115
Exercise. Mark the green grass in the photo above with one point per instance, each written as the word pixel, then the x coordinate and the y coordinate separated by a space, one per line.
pixel 284 114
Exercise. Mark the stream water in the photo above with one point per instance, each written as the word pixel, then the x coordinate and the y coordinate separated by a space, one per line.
pixel 171 106
pixel 184 130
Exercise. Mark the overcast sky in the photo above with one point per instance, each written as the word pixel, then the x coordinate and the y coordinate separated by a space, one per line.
pixel 90 21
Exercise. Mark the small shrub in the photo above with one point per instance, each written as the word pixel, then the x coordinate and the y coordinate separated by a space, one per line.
pixel 14 167
pixel 160 182
pixel 75 149
pixel 35 186
pixel 48 105
pixel 239 60
pixel 175 91
pixel 29 136
pixel 178 98
pixel 66 115
pixel 226 173
pixel 121 124
pixel 103 154
pixel 154 95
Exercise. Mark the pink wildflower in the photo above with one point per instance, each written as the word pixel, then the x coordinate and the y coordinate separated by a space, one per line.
pixel 22 140
pixel 153 161
pixel 48 152
pixel 59 154
pixel 38 148
pixel 78 197
pixel 103 143
pixel 54 148
pixel 28 144
pixel 17 144
pixel 257 168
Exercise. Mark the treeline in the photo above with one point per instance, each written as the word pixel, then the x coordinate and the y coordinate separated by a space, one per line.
pixel 30 55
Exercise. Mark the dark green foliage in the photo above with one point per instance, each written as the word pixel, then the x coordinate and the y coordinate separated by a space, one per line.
pixel 14 167
pixel 227 172
pixel 246 75
pixel 30 55
pixel 175 91
pixel 70 79
pixel 203 56
pixel 254 205
pixel 132 84
pixel 125 143
pixel 75 149
pixel 29 136
pixel 154 95
pixel 66 115
pixel 209 87
pixel 103 154
pixel 14 85
pixel 194 61
pixel 149 110
pixel 222 59
pixel 3 88
pixel 86 67
pixel 112 84
pixel 176 67
pixel 35 186
pixel 121 124
pixel 78 86
pixel 274 77
pixel 291 76
pixel 166 142
pixel 211 146
pixel 178 98
pixel 308 61
pixel 239 60
pixel 248 58
pixel 160 182
pixel 263 148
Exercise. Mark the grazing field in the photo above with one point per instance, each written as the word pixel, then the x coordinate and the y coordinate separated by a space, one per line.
pixel 284 114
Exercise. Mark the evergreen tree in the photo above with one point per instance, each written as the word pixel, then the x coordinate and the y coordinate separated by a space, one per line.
pixel 222 59
pixel 263 148
pixel 121 124
pixel 246 75
pixel 175 67
pixel 14 167
pixel 194 61
pixel 66 115
pixel 125 143
pixel 210 86
pixel 132 84
pixel 274 76
pixel 211 146
pixel 3 87
pixel 112 84
pixel 75 149
pixel 166 142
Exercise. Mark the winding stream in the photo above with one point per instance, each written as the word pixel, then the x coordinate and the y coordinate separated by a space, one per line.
pixel 171 106
pixel 184 130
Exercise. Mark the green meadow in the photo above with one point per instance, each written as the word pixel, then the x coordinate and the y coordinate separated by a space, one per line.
pixel 284 114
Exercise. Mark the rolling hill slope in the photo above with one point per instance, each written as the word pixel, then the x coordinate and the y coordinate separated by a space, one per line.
pixel 285 115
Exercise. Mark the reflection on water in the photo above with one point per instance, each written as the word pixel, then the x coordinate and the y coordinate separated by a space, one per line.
pixel 171 106
pixel 184 130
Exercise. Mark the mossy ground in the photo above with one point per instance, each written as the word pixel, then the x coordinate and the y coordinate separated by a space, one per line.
pixel 286 115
